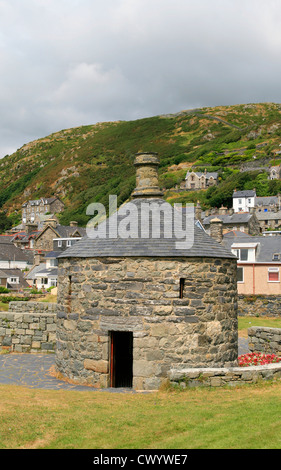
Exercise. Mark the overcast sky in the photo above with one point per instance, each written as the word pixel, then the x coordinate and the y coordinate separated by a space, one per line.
pixel 66 63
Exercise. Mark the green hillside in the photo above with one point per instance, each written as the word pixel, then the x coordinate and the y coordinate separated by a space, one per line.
pixel 86 164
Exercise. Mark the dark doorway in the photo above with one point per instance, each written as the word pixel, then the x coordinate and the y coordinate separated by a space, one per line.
pixel 121 360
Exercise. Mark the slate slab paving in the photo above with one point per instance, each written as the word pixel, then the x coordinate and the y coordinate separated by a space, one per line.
pixel 34 371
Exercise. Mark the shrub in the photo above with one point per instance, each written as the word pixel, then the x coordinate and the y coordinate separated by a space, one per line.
pixel 4 290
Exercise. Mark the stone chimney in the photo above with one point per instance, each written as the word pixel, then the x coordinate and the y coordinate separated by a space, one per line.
pixel 31 228
pixel 51 222
pixel 73 223
pixel 198 212
pixel 223 210
pixel 252 210
pixel 38 258
pixel 216 229
pixel 147 184
pixel 231 211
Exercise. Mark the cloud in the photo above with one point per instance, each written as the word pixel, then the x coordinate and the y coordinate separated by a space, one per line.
pixel 68 63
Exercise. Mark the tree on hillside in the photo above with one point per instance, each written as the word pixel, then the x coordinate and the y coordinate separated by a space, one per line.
pixel 5 222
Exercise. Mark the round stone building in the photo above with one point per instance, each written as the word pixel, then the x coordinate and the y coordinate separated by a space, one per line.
pixel 131 308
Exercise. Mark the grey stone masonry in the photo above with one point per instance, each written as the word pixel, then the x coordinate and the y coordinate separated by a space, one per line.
pixel 259 305
pixel 218 377
pixel 264 339
pixel 139 295
pixel 28 327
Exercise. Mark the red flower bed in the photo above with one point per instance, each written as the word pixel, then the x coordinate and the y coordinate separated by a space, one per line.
pixel 257 359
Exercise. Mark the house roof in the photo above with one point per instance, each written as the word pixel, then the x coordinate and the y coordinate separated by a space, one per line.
pixel 246 193
pixel 47 272
pixel 207 174
pixel 203 245
pixel 236 218
pixel 236 234
pixel 8 273
pixel 266 246
pixel 266 200
pixel 9 252
pixel 268 215
pixel 6 238
pixel 3 275
pixel 52 254
pixel 64 231
pixel 31 274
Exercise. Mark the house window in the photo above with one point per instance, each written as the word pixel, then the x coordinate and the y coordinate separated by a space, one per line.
pixel 273 274
pixel 69 243
pixel 276 257
pixel 59 243
pixel 242 254
pixel 14 280
pixel 249 201
pixel 239 201
pixel 240 274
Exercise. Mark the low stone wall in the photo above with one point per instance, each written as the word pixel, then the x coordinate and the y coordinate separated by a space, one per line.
pixel 218 377
pixel 263 339
pixel 28 327
pixel 259 305
pixel 34 307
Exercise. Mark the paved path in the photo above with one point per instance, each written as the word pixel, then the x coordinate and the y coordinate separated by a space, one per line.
pixel 33 371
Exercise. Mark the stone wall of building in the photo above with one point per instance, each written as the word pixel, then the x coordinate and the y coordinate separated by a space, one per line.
pixel 264 339
pixel 218 377
pixel 98 296
pixel 29 327
pixel 259 305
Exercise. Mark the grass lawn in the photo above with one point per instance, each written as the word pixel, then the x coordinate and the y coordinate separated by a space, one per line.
pixel 247 417
pixel 246 322
pixel 4 307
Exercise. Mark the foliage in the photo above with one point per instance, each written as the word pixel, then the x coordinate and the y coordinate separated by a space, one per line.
pixel 88 163
pixel 4 290
pixel 5 222
pixel 6 300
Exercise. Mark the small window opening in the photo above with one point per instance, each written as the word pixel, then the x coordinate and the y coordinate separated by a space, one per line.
pixel 181 287
pixel 69 294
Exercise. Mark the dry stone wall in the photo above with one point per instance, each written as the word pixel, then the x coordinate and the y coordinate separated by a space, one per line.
pixel 265 339
pixel 259 305
pixel 29 327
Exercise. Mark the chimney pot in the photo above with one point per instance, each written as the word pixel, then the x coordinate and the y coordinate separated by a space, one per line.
pixel 216 229
pixel 147 184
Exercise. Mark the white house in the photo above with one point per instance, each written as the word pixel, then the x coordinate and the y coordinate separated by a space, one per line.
pixel 243 200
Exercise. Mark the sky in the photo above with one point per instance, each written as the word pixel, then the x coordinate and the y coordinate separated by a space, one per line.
pixel 67 63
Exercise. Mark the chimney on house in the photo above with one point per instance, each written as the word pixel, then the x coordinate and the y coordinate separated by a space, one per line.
pixel 198 212
pixel 31 228
pixel 216 229
pixel 38 258
pixel 73 223
pixel 51 222
pixel 147 184
pixel 252 210
pixel 222 210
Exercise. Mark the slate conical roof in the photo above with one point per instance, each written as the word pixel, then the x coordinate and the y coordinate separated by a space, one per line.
pixel 148 238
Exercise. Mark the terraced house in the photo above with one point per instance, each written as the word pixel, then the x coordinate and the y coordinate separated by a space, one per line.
pixel 33 210
pixel 258 264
